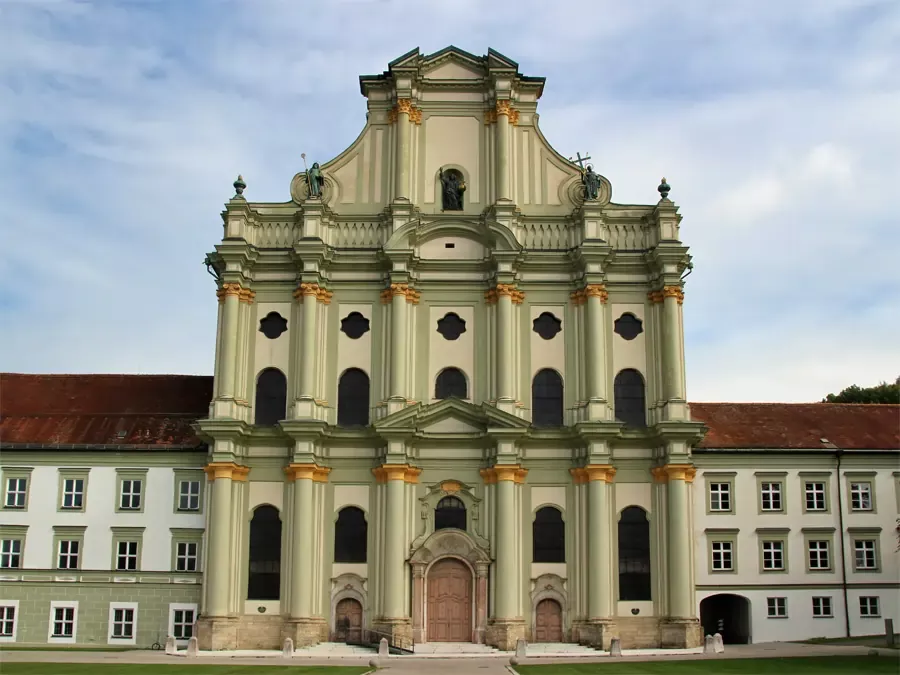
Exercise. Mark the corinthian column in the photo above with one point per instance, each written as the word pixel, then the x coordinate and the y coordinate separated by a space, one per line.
pixel 219 563
pixel 503 112
pixel 507 625
pixel 596 297
pixel 505 388
pixel 399 293
pixel 307 294
pixel 230 295
pixel 673 297
pixel 404 108
pixel 599 541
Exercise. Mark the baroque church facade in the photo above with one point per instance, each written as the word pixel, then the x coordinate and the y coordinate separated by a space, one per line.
pixel 448 406
pixel 452 340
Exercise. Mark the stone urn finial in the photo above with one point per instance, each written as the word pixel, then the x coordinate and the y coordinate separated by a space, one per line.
pixel 664 188
pixel 239 187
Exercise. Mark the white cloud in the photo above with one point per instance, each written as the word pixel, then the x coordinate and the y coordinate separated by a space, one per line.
pixel 125 125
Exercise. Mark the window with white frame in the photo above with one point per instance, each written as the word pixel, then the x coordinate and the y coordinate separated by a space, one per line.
pixel 865 557
pixel 186 556
pixel 181 621
pixel 776 608
pixel 73 493
pixel 68 554
pixel 770 496
pixel 189 495
pixel 63 617
pixel 16 493
pixel 720 496
pixel 131 494
pixel 122 622
pixel 10 553
pixel 722 556
pixel 821 607
pixel 819 554
pixel 8 613
pixel 861 496
pixel 868 606
pixel 127 555
pixel 773 555
pixel 815 496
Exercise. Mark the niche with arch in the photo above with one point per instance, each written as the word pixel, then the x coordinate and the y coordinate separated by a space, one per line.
pixel 630 398
pixel 351 535
pixel 271 397
pixel 450 512
pixel 353 399
pixel 547 399
pixel 264 578
pixel 548 536
pixel 634 554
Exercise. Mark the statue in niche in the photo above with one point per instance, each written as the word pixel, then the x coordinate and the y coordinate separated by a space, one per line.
pixel 452 188
pixel 316 180
pixel 591 182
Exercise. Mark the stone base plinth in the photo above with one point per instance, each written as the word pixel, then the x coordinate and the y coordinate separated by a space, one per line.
pixel 399 629
pixel 680 633
pixel 598 633
pixel 504 633
pixel 217 633
pixel 305 632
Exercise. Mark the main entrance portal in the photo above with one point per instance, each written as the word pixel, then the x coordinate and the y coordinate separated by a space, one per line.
pixel 449 608
pixel 548 621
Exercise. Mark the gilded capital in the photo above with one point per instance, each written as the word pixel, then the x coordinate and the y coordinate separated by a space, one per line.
pixel 226 470
pixel 389 472
pixel 506 290
pixel 655 296
pixel 392 115
pixel 490 116
pixel 603 472
pixel 489 476
pixel 229 289
pixel 404 106
pixel 596 291
pixel 490 297
pixel 673 292
pixel 305 289
pixel 579 476
pixel 503 107
pixel 314 472
pixel 399 289
pixel 323 295
pixel 670 472
pixel 506 472
pixel 415 115
pixel 513 116
pixel 577 297
pixel 412 296
pixel 246 295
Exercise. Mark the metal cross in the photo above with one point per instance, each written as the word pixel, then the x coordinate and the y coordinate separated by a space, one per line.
pixel 580 161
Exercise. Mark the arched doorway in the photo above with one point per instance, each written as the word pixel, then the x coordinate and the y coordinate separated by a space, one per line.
pixel 449 605
pixel 548 621
pixel 726 614
pixel 348 621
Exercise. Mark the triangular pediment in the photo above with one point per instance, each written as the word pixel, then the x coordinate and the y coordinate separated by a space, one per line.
pixel 451 416
pixel 452 63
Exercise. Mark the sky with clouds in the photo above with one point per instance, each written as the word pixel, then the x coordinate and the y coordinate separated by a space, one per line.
pixel 123 125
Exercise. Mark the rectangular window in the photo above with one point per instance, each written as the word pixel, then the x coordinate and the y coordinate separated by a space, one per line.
pixel 127 556
pixel 822 607
pixel 815 496
pixel 722 553
pixel 8 622
pixel 861 496
pixel 189 495
pixel 10 553
pixel 776 608
pixel 773 555
pixel 130 495
pixel 122 623
pixel 819 554
pixel 63 622
pixel 868 606
pixel 771 496
pixel 73 493
pixel 186 556
pixel 864 554
pixel 68 554
pixel 183 623
pixel 16 493
pixel 720 496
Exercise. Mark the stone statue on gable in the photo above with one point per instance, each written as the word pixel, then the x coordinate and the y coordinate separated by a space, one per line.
pixel 591 182
pixel 316 180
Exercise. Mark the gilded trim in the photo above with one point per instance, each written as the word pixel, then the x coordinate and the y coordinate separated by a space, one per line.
pixel 404 106
pixel 415 115
pixel 604 472
pixel 451 486
pixel 504 472
pixel 577 297
pixel 404 472
pixel 663 474
pixel 673 292
pixel 503 107
pixel 312 472
pixel 490 116
pixel 579 476
pixel 305 289
pixel 229 289
pixel 489 476
pixel 655 296
pixel 596 291
pixel 323 295
pixel 228 470
pixel 246 295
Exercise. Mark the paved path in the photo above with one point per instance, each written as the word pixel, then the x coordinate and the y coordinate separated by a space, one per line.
pixel 450 666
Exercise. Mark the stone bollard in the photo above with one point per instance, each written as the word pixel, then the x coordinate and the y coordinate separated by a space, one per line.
pixel 171 647
pixel 521 648
pixel 287 649
pixel 383 649
pixel 192 648
pixel 889 633
pixel 718 645
pixel 709 646
pixel 513 661
pixel 615 647
pixel 373 663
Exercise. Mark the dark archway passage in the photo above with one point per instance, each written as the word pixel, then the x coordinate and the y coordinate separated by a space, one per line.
pixel 264 579
pixel 727 614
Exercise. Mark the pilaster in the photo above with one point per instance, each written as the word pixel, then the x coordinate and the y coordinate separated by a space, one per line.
pixel 506 297
pixel 306 403
pixel 596 297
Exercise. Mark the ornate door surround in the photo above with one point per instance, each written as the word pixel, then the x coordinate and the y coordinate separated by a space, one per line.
pixel 449 544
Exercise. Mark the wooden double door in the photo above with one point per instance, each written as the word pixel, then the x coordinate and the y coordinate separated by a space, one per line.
pixel 449 602
pixel 548 621
pixel 348 621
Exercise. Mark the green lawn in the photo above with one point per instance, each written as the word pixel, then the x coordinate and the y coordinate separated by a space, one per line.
pixel 170 669
pixel 842 665
pixel 863 641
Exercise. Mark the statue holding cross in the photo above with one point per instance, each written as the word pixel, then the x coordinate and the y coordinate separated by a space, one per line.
pixel 589 179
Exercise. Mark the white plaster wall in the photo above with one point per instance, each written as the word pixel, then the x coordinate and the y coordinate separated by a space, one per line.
pixel 352 495
pixel 628 353
pixel 266 492
pixel 548 494
pixel 99 516
pixel 461 248
pixel 271 353
pixel 633 494
pixel 459 353
pixel 451 140
pixel 548 353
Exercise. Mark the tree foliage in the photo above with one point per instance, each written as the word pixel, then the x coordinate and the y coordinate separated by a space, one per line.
pixel 882 393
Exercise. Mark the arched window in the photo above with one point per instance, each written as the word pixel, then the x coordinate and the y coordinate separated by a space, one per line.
pixel 547 399
pixel 271 397
pixel 451 382
pixel 634 554
pixel 350 536
pixel 264 579
pixel 548 536
pixel 450 512
pixel 353 399
pixel 629 392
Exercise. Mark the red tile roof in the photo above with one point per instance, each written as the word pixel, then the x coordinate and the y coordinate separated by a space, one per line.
pixel 849 426
pixel 157 410
pixel 148 410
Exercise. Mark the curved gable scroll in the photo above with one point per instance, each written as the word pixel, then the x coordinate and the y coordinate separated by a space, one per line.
pixel 491 235
pixel 449 543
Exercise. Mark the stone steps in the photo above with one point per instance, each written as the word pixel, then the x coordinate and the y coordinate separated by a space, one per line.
pixel 559 649
pixel 451 648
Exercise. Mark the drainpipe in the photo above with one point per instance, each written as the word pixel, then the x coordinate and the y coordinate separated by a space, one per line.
pixel 838 453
